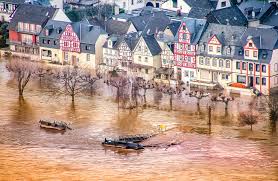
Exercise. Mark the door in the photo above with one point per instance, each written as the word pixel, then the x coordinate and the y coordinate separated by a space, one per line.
pixel 251 81
pixel 73 60
pixel 215 77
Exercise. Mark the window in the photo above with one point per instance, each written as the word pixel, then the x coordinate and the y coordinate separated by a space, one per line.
pixel 48 42
pixel 250 45
pixel 139 48
pixel 258 80
pixel 147 71
pixel 43 41
pixel 88 57
pixel 20 26
pixel 132 2
pixel 184 36
pixel 250 67
pixel 228 50
pixel 139 58
pixel 238 65
pixel 223 4
pixel 146 59
pixel 214 62
pixel 33 28
pixel 218 49
pixel 186 73
pixel 26 27
pixel 225 76
pixel 264 68
pixel 243 65
pixel 189 47
pixel 255 54
pixel 221 63
pixel 87 47
pixel 203 47
pixel 247 53
pixel 201 61
pixel 38 28
pixel 228 64
pixel 55 42
pixel 276 67
pixel 257 67
pixel 181 47
pixel 241 79
pixel 191 74
pixel 189 59
pixel 183 27
pixel 124 4
pixel 207 61
pixel 66 55
pixel 210 48
pixel 263 81
pixel 175 3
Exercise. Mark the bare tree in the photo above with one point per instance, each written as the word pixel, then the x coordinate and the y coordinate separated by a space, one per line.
pixel 248 118
pixel 119 82
pixel 272 102
pixel 199 95
pixel 89 78
pixel 222 98
pixel 70 81
pixel 23 71
pixel 145 85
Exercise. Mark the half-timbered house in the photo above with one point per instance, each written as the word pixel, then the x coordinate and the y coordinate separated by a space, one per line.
pixel 186 46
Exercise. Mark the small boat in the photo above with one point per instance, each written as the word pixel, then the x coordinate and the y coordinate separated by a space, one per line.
pixel 134 138
pixel 122 144
pixel 57 125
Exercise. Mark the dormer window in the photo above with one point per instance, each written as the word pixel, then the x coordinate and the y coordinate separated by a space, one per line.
pixel 223 4
pixel 228 50
pixel 250 45
pixel 264 55
pixel 110 43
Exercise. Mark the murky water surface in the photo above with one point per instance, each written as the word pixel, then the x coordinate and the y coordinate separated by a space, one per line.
pixel 30 153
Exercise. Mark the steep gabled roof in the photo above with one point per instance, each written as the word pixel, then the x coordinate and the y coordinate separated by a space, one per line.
pixel 196 27
pixel 199 13
pixel 204 4
pixel 174 27
pixel 86 32
pixel 227 16
pixel 152 44
pixel 55 29
pixel 157 22
pixel 32 14
pixel 116 27
pixel 263 38
pixel 131 40
pixel 140 22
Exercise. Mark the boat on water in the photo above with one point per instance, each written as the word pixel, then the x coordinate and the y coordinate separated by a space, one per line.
pixel 57 125
pixel 122 144
pixel 134 138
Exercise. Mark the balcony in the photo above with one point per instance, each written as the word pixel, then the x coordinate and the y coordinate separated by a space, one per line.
pixel 27 43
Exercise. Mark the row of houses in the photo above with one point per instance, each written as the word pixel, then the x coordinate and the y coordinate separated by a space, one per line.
pixel 157 44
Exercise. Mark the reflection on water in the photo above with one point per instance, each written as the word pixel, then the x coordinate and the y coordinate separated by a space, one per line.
pixel 30 153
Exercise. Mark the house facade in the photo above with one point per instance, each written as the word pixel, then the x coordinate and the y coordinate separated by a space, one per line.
pixel 78 44
pixel 7 7
pixel 110 51
pixel 186 46
pixel 26 24
pixel 146 57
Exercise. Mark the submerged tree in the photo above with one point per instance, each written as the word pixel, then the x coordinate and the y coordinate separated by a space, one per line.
pixel 145 85
pixel 222 98
pixel 69 79
pixel 248 118
pixel 23 71
pixel 272 102
pixel 89 79
pixel 119 82
pixel 199 95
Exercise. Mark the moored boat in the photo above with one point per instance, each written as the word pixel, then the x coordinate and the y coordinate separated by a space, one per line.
pixel 57 125
pixel 122 144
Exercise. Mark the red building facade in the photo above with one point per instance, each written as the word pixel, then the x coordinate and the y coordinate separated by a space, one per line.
pixel 69 41
pixel 184 51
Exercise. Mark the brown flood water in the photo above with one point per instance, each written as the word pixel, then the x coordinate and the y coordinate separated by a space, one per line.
pixel 30 153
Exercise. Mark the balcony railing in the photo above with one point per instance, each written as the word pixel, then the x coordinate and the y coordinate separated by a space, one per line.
pixel 29 44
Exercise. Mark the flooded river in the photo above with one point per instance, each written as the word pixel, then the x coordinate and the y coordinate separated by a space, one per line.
pixel 30 153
